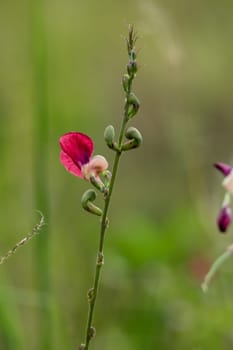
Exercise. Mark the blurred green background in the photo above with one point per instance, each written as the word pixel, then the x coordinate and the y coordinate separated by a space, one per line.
pixel 61 68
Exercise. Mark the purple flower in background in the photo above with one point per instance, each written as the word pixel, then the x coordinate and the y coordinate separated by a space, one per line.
pixel 225 214
pixel 224 218
pixel 226 170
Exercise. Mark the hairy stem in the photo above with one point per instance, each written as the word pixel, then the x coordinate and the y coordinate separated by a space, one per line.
pixel 36 229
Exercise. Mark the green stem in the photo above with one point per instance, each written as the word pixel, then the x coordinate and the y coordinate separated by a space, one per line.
pixel 104 224
pixel 92 294
pixel 216 265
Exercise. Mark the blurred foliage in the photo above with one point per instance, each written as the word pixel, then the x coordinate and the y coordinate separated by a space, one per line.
pixel 162 234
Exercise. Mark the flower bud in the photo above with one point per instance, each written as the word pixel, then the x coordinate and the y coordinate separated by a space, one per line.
pixel 87 202
pixel 132 55
pixel 132 68
pixel 134 137
pixel 98 183
pixel 107 175
pixel 125 82
pixel 134 105
pixel 82 347
pixel 224 218
pixel 109 135
pixel 225 169
pixel 131 39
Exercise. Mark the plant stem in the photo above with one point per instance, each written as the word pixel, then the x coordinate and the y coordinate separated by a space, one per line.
pixel 100 255
pixel 214 268
pixel 104 224
pixel 92 293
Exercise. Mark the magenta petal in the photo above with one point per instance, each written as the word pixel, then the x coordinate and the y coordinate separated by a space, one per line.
pixel 224 168
pixel 70 165
pixel 77 149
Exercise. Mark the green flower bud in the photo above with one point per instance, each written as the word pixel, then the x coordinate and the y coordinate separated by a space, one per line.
pixel 109 135
pixel 131 39
pixel 98 183
pixel 132 68
pixel 134 137
pixel 134 105
pixel 125 82
pixel 132 56
pixel 107 175
pixel 87 202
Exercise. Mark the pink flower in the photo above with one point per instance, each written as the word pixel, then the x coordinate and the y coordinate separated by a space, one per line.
pixel 76 156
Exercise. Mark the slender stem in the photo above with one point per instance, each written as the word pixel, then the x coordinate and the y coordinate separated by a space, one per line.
pixel 100 256
pixel 215 267
pixel 36 229
pixel 104 224
pixel 92 293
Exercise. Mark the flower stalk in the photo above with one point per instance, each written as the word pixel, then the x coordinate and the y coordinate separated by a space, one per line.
pixel 223 222
pixel 215 267
pixel 130 109
pixel 77 158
